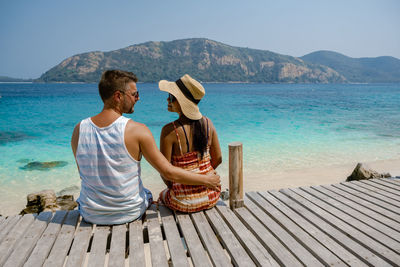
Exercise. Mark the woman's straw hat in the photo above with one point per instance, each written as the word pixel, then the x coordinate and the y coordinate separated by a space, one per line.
pixel 188 92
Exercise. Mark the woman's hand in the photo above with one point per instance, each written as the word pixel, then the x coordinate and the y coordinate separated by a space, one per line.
pixel 213 180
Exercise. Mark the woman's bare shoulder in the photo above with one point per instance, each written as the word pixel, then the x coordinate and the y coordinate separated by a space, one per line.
pixel 167 129
pixel 210 123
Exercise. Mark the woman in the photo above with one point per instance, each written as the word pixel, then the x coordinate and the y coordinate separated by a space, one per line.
pixel 191 143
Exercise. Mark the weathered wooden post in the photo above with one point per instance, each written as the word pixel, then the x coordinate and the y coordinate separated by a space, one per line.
pixel 235 175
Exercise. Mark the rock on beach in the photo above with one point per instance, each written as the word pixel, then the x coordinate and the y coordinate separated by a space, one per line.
pixel 363 172
pixel 47 200
pixel 71 190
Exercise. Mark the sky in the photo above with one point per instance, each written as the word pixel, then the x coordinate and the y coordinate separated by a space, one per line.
pixel 37 35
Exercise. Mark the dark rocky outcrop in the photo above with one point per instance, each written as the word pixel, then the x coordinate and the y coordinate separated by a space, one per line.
pixel 363 172
pixel 66 202
pixel 46 200
pixel 224 195
pixel 43 166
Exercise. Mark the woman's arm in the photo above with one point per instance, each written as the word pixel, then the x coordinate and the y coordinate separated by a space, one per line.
pixel 171 173
pixel 215 149
pixel 166 149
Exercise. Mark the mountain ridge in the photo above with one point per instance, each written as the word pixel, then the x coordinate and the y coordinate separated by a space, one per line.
pixel 365 69
pixel 13 80
pixel 204 59
pixel 211 61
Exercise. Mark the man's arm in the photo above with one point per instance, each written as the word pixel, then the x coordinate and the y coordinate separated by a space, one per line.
pixel 74 141
pixel 150 151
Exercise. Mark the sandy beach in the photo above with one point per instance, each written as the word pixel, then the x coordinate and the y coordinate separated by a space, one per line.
pixel 313 176
pixel 261 181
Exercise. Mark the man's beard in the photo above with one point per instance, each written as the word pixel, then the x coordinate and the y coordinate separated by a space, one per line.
pixel 131 110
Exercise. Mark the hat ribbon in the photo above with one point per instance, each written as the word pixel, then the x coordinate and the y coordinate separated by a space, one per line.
pixel 186 91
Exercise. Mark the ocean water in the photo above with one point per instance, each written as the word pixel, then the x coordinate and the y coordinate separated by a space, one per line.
pixel 282 127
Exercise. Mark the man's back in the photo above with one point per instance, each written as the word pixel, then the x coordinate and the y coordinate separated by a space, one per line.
pixel 112 190
pixel 108 148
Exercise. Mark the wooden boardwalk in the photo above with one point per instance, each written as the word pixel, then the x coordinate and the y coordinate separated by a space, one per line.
pixel 356 224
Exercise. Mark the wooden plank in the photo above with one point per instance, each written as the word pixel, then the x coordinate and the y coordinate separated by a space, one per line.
pixel 365 234
pixel 210 241
pixel 274 237
pixel 335 228
pixel 368 201
pixel 2 221
pixel 327 251
pixel 360 201
pixel 136 244
pixel 274 247
pixel 158 257
pixel 98 251
pixel 46 241
pixel 117 248
pixel 333 232
pixel 385 195
pixel 8 224
pixel 352 211
pixel 80 244
pixel 193 243
pixel 250 243
pixel 63 241
pixel 13 236
pixel 393 182
pixel 370 210
pixel 383 186
pixel 376 198
pixel 238 254
pixel 174 242
pixel 28 241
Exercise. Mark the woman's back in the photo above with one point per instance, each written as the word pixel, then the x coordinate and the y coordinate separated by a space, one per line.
pixel 190 198
pixel 190 143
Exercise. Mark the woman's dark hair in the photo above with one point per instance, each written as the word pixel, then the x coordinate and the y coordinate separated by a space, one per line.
pixel 199 136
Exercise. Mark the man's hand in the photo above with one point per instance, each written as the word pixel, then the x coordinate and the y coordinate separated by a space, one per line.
pixel 214 181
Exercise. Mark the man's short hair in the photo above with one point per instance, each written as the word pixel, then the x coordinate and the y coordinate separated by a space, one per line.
pixel 114 80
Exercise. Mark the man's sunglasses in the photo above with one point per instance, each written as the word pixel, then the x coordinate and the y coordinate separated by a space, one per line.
pixel 135 94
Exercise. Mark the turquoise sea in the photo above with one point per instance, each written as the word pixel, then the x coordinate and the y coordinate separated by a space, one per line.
pixel 281 126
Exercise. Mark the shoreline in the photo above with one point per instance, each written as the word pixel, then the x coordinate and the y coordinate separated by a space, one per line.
pixel 263 181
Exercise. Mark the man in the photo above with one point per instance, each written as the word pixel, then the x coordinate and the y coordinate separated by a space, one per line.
pixel 108 148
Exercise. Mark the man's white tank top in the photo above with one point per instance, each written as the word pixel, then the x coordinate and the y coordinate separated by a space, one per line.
pixel 111 187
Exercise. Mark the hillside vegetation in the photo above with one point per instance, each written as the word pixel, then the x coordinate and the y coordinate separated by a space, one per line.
pixel 363 70
pixel 204 59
